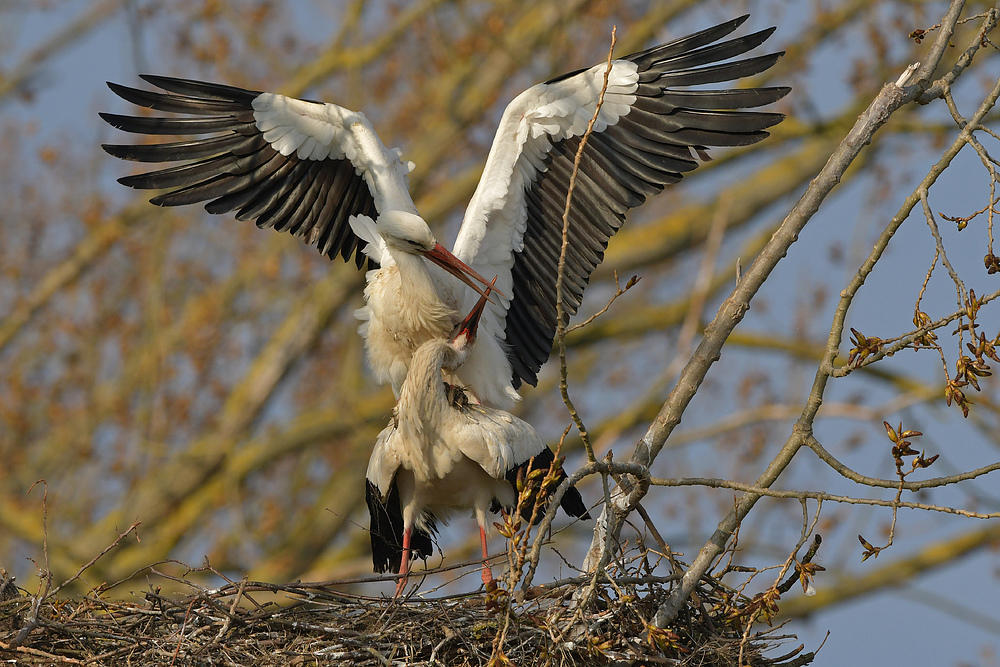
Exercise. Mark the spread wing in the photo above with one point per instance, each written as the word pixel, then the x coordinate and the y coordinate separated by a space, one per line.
pixel 651 129
pixel 301 167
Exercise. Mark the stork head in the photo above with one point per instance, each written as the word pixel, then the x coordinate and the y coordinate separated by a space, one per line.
pixel 407 232
pixel 465 333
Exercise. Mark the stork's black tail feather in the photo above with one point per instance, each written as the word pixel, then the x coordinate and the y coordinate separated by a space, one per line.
pixel 387 531
pixel 572 502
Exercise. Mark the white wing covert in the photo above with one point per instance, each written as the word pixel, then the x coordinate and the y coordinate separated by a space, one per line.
pixel 384 461
pixel 649 132
pixel 496 440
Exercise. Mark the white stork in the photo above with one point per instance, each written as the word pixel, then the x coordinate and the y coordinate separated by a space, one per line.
pixel 439 455
pixel 320 172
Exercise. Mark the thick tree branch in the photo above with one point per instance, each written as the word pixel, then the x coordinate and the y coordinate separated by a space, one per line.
pixel 730 314
pixel 889 100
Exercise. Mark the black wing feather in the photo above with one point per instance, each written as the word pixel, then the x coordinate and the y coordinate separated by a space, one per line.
pixel 572 502
pixel 235 169
pixel 648 148
pixel 386 531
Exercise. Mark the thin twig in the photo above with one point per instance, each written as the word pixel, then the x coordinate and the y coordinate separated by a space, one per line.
pixel 560 276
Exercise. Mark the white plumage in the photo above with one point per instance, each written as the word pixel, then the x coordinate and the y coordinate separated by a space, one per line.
pixel 438 456
pixel 321 172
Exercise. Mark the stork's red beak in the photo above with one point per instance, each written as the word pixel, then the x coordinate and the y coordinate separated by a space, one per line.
pixel 456 267
pixel 471 321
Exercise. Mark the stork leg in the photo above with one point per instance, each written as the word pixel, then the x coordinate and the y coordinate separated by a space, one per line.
pixel 404 567
pixel 487 572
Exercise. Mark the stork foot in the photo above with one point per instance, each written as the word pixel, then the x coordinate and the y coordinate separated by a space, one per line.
pixel 400 587
pixel 496 597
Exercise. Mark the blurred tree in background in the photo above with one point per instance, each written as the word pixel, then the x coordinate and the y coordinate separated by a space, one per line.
pixel 206 378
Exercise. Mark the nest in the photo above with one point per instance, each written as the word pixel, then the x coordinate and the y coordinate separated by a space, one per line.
pixel 257 624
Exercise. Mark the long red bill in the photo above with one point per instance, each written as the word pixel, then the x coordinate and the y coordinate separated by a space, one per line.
pixel 471 321
pixel 456 267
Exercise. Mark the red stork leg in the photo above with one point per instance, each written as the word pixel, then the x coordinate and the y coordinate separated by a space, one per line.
pixel 404 567
pixel 487 572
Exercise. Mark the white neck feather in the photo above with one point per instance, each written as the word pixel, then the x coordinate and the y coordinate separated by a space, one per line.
pixel 426 299
pixel 423 411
